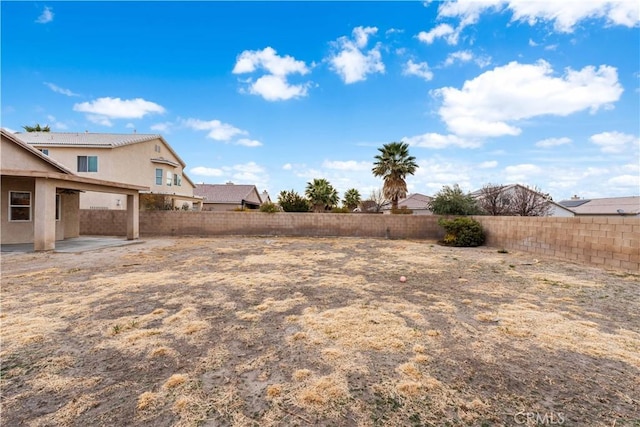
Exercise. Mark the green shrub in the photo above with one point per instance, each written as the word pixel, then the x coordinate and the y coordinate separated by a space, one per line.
pixel 291 201
pixel 269 207
pixel 462 232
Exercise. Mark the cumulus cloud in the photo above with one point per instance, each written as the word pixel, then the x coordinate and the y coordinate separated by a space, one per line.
pixel 489 164
pixel 102 110
pixel 204 171
pixel 436 140
pixel 522 173
pixel 614 142
pixel 218 130
pixel 631 181
pixel 553 142
pixel 287 166
pixel 420 69
pixel 58 89
pixel 442 30
pixel 564 15
pixel 351 61
pixel 246 142
pixel 488 105
pixel 349 165
pixel 459 56
pixel 274 84
pixel 46 16
pixel 162 127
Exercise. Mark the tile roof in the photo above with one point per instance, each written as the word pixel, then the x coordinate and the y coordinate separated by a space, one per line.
pixel 412 201
pixel 84 139
pixel 608 206
pixel 223 193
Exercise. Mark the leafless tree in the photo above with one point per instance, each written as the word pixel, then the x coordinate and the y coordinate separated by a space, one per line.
pixel 494 200
pixel 530 201
pixel 375 202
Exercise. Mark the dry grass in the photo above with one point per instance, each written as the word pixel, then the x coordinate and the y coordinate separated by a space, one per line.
pixel 279 332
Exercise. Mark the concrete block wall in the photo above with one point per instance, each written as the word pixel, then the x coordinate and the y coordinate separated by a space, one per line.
pixel 611 242
pixel 603 241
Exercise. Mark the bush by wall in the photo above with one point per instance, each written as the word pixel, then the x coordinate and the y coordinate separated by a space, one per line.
pixel 462 231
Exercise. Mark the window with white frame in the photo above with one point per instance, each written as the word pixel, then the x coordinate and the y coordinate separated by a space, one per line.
pixel 169 178
pixel 177 180
pixel 45 151
pixel 87 163
pixel 19 206
pixel 159 174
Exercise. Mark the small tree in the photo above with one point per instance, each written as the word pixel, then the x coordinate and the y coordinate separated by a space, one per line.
pixel 321 194
pixel 351 199
pixel 291 201
pixel 530 201
pixel 494 200
pixel 36 128
pixel 462 232
pixel 375 202
pixel 452 201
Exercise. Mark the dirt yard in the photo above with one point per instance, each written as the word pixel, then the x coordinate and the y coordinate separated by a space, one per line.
pixel 265 331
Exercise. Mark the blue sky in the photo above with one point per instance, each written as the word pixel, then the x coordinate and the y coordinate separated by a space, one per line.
pixel 275 94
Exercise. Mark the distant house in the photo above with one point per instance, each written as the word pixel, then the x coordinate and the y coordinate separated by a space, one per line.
pixel 136 159
pixel 228 197
pixel 611 206
pixel 416 202
pixel 40 196
pixel 264 196
pixel 517 196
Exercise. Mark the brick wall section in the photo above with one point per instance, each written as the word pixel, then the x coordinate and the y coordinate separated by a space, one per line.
pixel 611 242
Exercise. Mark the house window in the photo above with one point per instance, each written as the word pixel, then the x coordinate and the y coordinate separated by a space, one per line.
pixel 177 180
pixel 45 151
pixel 87 163
pixel 19 206
pixel 158 176
pixel 169 178
pixel 157 148
pixel 58 207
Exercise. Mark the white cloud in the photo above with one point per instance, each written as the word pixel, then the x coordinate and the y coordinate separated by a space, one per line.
pixel 287 166
pixel 532 43
pixel 46 16
pixel 490 164
pixel 486 105
pixel 248 142
pixel 436 140
pixel 564 15
pixel 101 110
pixel 130 126
pixel 349 165
pixel 55 123
pixel 420 69
pixel 442 30
pixel 162 127
pixel 218 130
pixel 460 56
pixel 521 173
pixel 58 89
pixel 204 171
pixel 272 86
pixel 632 181
pixel 553 142
pixel 353 64
pixel 614 142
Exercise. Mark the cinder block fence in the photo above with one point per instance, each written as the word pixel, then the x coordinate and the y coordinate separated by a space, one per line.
pixel 612 242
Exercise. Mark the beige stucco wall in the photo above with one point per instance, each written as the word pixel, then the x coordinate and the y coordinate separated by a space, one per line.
pixel 130 164
pixel 22 232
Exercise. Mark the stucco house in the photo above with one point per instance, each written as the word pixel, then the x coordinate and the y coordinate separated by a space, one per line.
pixel 228 197
pixel 136 159
pixel 526 196
pixel 610 206
pixel 40 197
pixel 416 202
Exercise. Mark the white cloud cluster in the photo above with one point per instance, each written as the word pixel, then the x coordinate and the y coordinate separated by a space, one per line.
pixel 437 141
pixel 102 110
pixel 564 15
pixel 466 56
pixel 488 105
pixel 420 69
pixel 445 31
pixel 274 85
pixel 615 142
pixel 245 173
pixel 220 131
pixel 351 62
pixel 348 165
pixel 59 89
pixel 46 16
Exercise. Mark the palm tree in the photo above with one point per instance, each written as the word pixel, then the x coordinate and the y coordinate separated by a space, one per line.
pixel 321 194
pixel 36 128
pixel 393 164
pixel 351 199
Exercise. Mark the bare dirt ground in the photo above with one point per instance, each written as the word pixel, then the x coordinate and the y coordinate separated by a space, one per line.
pixel 295 331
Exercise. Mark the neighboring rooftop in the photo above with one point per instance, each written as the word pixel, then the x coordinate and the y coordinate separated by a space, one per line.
pixel 84 138
pixel 605 206
pixel 224 193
